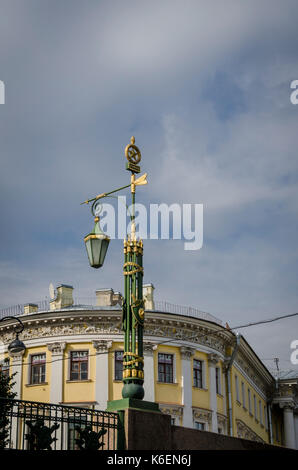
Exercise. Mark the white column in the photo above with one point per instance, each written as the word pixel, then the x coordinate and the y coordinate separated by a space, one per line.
pixel 17 361
pixel 149 382
pixel 17 380
pixel 212 361
pixel 186 372
pixel 56 384
pixel 102 373
pixel 289 427
pixel 296 429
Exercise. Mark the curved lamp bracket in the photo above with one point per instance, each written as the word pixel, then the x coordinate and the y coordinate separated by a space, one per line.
pixel 15 318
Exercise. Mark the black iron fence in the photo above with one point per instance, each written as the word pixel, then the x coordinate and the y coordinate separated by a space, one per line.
pixel 43 426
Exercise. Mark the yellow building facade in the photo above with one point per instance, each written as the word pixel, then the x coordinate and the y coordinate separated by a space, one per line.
pixel 197 370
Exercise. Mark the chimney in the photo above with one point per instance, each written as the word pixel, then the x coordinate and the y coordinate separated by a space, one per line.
pixel 148 296
pixel 63 299
pixel 30 308
pixel 104 297
pixel 117 299
pixel 108 298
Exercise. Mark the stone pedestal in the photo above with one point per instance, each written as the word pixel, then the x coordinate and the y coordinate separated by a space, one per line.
pixel 142 425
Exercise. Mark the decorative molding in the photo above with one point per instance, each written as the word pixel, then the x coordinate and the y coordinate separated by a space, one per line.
pixel 111 324
pixel 285 391
pixel 244 432
pixel 148 348
pixel 245 366
pixel 222 421
pixel 185 331
pixel 187 352
pixel 56 348
pixel 289 405
pixel 196 330
pixel 252 378
pixel 176 411
pixel 97 323
pixel 202 414
pixel 102 346
pixel 213 359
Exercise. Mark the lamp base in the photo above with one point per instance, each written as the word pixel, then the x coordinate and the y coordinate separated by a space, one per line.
pixel 132 403
pixel 133 390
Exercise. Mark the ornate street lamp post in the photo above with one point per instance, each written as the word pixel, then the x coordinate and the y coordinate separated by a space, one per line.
pixel 16 346
pixel 133 305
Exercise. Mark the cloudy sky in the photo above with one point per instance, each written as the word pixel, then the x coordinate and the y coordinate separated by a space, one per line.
pixel 205 88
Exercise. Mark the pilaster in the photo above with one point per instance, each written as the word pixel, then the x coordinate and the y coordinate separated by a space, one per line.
pixel 289 425
pixel 186 371
pixel 102 373
pixel 212 361
pixel 57 368
pixel 149 382
pixel 17 362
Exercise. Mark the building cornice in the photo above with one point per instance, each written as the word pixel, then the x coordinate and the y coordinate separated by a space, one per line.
pixel 178 329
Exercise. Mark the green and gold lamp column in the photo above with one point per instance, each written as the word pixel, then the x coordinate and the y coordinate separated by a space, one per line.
pixel 133 305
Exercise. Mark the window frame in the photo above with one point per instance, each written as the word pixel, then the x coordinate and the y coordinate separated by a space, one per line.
pixel 195 373
pixel 117 361
pixel 237 388
pixel 79 379
pixel 218 386
pixel 172 364
pixel 5 367
pixel 243 394
pixel 200 424
pixel 39 366
pixel 255 408
pixel 260 412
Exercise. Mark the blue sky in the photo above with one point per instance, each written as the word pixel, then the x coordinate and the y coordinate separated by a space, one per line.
pixel 205 89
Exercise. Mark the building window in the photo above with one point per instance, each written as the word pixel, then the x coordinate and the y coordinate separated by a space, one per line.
pixel 118 365
pixel 38 369
pixel 249 401
pixel 4 367
pixel 200 426
pixel 165 368
pixel 237 388
pixel 217 380
pixel 198 373
pixel 255 407
pixel 266 417
pixel 260 412
pixel 173 421
pixel 243 394
pixel 79 365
